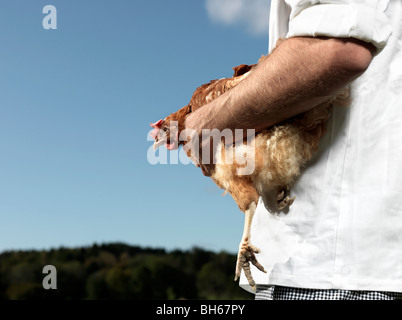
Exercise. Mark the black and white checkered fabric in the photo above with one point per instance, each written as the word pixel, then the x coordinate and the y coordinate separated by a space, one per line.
pixel 288 293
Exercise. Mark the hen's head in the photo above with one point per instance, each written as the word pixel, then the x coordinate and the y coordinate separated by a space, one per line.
pixel 165 134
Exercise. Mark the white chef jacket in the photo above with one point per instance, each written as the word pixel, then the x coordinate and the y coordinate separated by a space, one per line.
pixel 344 230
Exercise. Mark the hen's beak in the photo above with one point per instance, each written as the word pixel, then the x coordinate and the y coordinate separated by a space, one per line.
pixel 158 143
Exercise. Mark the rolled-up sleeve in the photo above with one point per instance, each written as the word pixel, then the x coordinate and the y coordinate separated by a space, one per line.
pixel 364 20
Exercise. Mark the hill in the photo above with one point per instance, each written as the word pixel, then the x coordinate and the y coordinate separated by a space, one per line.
pixel 120 271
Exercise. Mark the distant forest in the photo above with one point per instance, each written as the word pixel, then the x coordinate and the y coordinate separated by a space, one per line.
pixel 119 271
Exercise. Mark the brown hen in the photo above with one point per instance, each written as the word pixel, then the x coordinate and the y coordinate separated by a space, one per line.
pixel 278 155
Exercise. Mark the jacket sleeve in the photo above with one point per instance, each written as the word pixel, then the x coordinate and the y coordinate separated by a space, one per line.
pixel 362 19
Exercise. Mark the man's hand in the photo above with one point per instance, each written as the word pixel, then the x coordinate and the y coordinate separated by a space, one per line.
pixel 201 148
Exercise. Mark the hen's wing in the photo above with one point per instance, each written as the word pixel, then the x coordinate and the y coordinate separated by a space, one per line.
pixel 210 91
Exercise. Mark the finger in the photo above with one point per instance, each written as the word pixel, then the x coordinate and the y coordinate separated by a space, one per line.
pixel 247 273
pixel 258 265
pixel 239 265
pixel 254 249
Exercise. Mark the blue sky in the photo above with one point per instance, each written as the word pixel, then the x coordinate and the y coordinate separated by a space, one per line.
pixel 75 108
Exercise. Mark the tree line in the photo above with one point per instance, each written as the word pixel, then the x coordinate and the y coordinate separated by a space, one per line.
pixel 120 271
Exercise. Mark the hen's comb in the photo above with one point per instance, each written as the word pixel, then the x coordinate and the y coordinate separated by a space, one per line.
pixel 156 125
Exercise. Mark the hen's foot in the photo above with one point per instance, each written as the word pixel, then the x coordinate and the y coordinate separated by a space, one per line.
pixel 283 198
pixel 244 257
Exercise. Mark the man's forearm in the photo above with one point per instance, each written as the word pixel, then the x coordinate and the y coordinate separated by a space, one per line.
pixel 300 74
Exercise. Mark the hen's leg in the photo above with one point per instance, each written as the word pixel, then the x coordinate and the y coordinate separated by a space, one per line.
pixel 246 250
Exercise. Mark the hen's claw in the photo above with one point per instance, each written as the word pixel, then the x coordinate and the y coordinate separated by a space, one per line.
pixel 283 198
pixel 245 256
